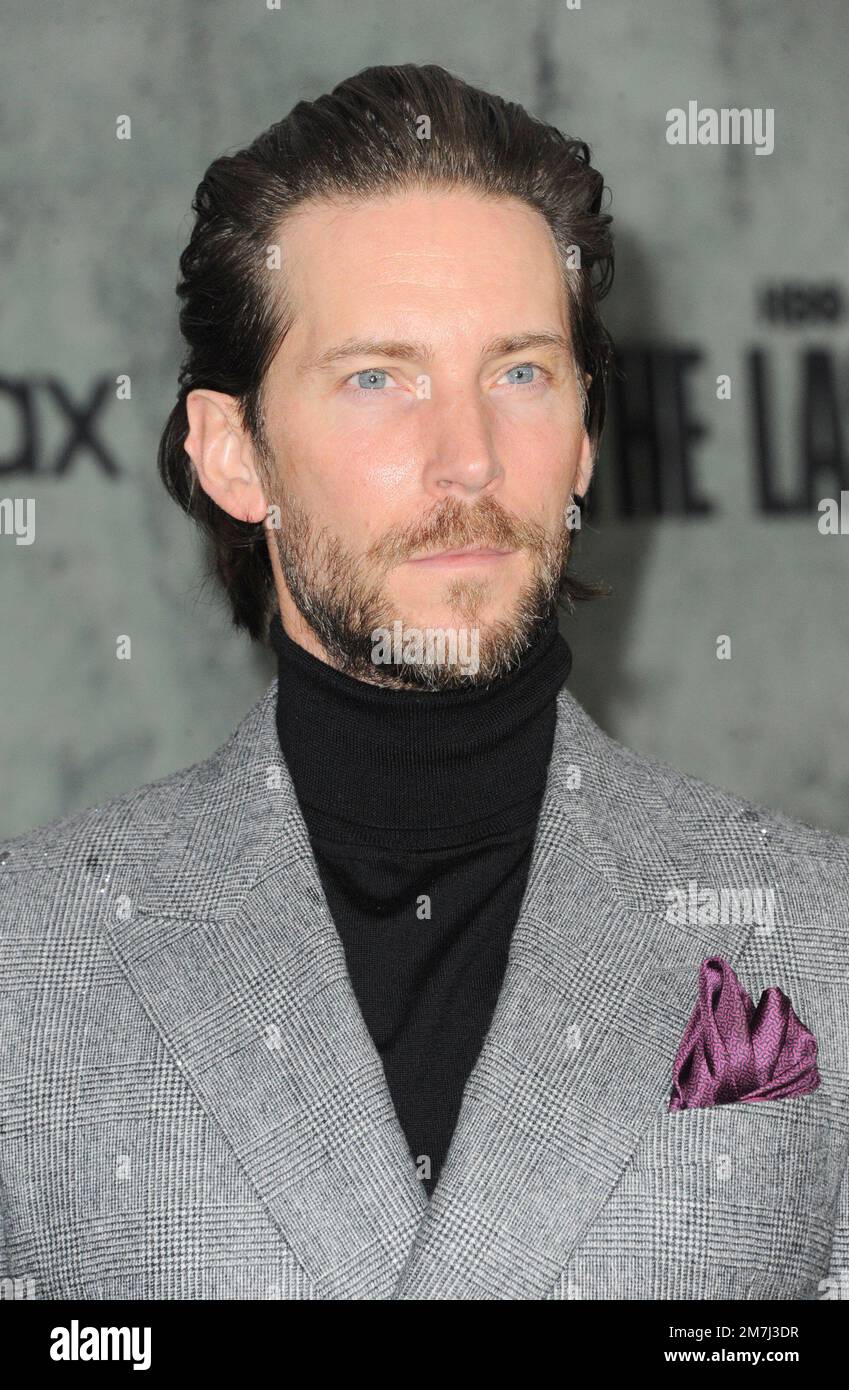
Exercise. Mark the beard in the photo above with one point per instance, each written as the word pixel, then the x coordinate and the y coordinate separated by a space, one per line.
pixel 342 596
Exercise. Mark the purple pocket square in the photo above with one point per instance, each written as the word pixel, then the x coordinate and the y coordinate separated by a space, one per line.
pixel 732 1051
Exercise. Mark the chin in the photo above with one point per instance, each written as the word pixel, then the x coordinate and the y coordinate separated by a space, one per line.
pixel 461 599
pixel 482 614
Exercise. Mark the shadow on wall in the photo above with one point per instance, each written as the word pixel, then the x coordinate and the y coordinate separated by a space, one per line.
pixel 617 552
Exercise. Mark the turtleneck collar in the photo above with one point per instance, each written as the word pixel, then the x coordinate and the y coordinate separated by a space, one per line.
pixel 417 769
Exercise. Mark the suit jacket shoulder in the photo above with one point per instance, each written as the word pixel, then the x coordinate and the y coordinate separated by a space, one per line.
pixel 45 866
pixel 651 822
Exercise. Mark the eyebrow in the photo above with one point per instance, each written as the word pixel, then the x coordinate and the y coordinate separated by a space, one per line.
pixel 420 352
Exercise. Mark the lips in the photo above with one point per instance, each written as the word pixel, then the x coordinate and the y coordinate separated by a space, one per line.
pixel 471 552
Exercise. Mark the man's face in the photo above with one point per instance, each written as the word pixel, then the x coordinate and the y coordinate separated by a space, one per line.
pixel 424 401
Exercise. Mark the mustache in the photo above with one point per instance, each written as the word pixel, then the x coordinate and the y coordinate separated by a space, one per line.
pixel 452 526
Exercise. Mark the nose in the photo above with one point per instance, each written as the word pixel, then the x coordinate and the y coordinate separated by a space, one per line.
pixel 460 453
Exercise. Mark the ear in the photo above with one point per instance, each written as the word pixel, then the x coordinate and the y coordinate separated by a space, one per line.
pixel 586 461
pixel 223 455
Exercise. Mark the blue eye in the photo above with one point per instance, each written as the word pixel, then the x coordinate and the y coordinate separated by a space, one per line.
pixel 521 376
pixel 372 380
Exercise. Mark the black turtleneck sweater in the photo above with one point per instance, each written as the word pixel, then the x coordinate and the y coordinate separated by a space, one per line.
pixel 421 809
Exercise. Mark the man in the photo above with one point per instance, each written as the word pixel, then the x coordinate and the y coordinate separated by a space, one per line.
pixel 420 987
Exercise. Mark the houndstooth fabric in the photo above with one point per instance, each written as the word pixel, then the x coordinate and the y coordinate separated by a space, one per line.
pixel 191 1106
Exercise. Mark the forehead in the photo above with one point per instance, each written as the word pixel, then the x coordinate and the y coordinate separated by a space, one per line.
pixel 433 262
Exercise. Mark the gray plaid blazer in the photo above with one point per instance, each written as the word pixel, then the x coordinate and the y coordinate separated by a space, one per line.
pixel 191 1106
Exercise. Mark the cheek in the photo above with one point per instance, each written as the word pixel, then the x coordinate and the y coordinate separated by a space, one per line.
pixel 540 458
pixel 348 471
pixel 390 463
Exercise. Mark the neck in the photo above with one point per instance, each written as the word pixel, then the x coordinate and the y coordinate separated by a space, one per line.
pixel 408 767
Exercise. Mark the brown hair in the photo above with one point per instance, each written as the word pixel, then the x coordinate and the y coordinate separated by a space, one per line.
pixel 361 139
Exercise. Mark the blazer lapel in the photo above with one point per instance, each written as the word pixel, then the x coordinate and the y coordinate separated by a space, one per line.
pixel 578 1059
pixel 236 959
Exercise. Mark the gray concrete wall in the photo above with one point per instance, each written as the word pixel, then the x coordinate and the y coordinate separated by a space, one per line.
pixel 91 231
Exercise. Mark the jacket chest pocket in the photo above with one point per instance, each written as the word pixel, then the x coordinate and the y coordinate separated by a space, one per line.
pixel 730 1201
